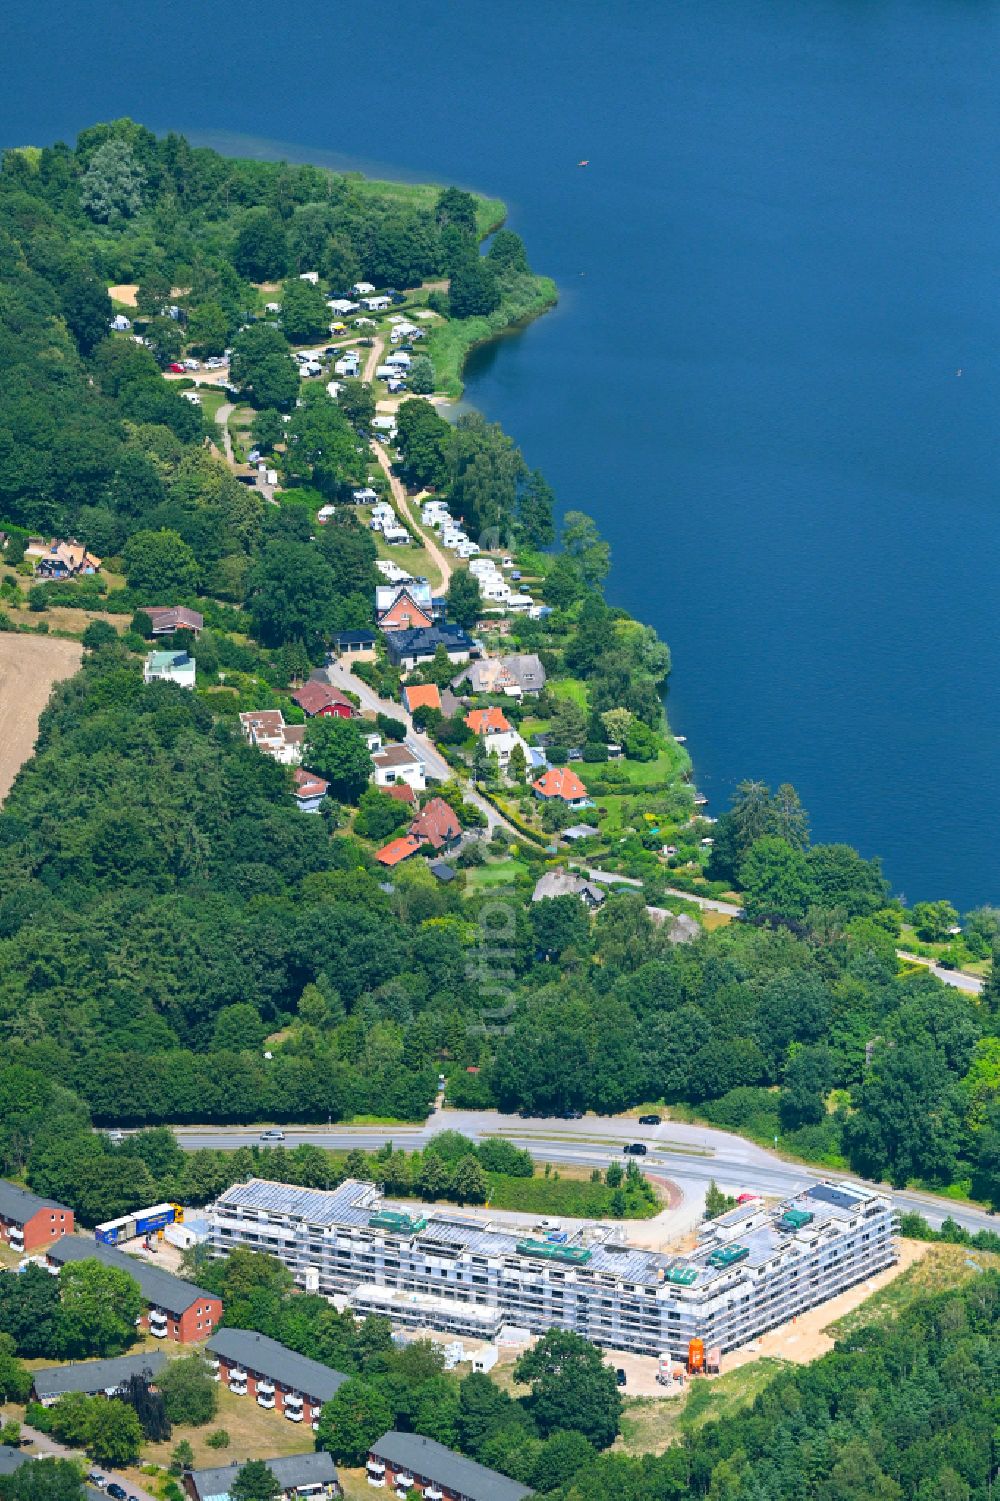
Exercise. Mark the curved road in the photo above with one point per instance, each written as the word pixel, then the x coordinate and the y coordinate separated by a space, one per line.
pixel 689 1155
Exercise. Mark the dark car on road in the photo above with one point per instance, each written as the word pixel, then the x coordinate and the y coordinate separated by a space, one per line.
pixel 117 1491
pixel 649 1120
pixel 620 1376
pixel 636 1149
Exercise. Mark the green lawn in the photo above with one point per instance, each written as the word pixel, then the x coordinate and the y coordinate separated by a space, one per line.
pixel 490 212
pixel 668 764
pixel 483 877
pixel 571 688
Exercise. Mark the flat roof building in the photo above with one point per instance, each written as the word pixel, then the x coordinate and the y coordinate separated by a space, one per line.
pixel 751 1270
pixel 27 1221
pixel 175 1309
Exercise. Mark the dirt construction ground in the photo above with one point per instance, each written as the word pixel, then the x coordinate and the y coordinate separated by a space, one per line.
pixel 29 666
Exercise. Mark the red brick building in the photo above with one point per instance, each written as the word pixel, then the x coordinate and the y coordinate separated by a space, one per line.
pixel 175 1309
pixel 278 1379
pixel 29 1223
pixel 401 1462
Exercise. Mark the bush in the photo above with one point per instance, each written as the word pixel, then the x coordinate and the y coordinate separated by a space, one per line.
pixel 218 1440
pixel 595 750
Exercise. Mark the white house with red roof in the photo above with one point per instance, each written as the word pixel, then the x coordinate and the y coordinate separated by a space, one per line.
pixel 561 784
pixel 492 726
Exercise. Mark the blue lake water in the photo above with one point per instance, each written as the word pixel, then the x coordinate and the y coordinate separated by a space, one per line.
pixel 784 250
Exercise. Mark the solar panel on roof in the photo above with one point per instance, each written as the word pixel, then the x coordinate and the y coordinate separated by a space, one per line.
pixel 839 1197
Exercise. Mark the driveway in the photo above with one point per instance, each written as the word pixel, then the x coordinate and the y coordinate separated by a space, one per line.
pixel 407 515
pixel 437 767
pixel 41 1443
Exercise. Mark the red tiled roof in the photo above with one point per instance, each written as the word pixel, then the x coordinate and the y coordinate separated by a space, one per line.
pixel 560 781
pixel 422 696
pixel 312 697
pixel 437 823
pixel 167 616
pixel 398 850
pixel 401 791
pixel 405 613
pixel 307 784
pixel 487 721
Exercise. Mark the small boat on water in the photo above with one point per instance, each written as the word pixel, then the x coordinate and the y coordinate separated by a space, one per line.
pixel 584 163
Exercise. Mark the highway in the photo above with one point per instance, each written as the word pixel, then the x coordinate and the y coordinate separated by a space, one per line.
pixel 689 1155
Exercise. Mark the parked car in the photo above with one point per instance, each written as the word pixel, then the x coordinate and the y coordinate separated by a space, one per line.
pixel 176 369
pixel 274 1134
pixel 649 1120
pixel 636 1149
pixel 117 1491
pixel 96 1478
pixel 620 1376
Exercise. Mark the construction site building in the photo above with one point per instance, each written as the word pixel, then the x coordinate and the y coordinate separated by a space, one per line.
pixel 752 1269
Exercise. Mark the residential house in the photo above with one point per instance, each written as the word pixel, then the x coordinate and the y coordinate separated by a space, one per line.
pixel 561 784
pixel 169 667
pixel 498 733
pixel 297 1475
pixel 59 560
pixel 421 696
pixel 310 790
pixel 408 649
pixel 165 619
pixel 280 1379
pixel 397 763
pixel 174 1308
pixel 406 1461
pixel 514 675
pixel 418 589
pixel 267 730
pixel 401 791
pixel 358 645
pixel 29 1222
pixel 562 882
pixel 94 1378
pixel 320 700
pixel 398 850
pixel 404 613
pixel 437 825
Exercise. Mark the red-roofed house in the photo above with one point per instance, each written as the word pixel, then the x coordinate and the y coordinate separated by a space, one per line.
pixel 490 721
pixel 404 614
pixel 401 791
pixel 498 733
pixel 165 619
pixel 559 782
pixel 398 850
pixel 320 699
pixel 310 790
pixel 422 696
pixel 437 824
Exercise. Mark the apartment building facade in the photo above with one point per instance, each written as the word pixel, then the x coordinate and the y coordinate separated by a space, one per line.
pixel 752 1269
pixel 174 1309
pixel 278 1379
pixel 29 1223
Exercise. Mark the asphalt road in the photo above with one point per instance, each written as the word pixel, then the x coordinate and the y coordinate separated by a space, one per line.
pixel 689 1155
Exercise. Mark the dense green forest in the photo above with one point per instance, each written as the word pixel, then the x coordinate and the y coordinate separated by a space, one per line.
pixel 164 908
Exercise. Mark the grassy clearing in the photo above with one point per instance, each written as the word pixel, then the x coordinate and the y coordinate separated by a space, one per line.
pixel 652 1424
pixel 490 212
pixel 567 1193
pixel 941 1267
pixel 664 768
pixel 483 877
pixel 571 688
pixel 252 1433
